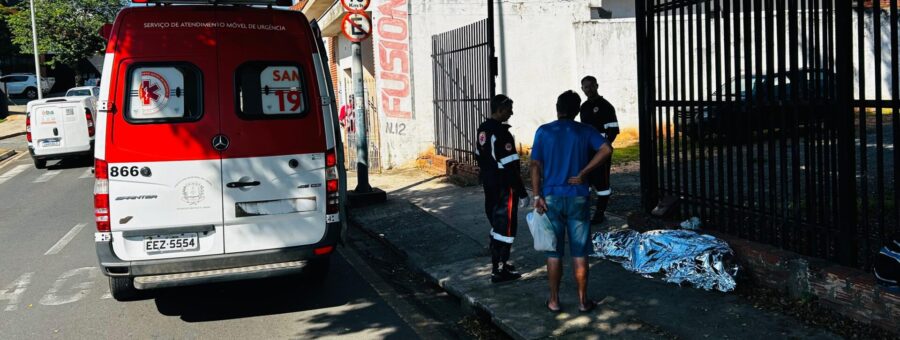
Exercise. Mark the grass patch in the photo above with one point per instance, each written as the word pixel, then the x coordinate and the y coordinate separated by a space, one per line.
pixel 627 154
pixel 2 120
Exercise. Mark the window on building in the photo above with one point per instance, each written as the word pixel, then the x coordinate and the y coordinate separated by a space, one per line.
pixel 600 13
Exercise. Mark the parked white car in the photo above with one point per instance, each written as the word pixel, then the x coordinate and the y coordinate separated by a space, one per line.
pixel 93 91
pixel 25 84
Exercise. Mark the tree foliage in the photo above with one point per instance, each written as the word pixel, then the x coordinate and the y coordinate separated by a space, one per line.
pixel 6 46
pixel 67 29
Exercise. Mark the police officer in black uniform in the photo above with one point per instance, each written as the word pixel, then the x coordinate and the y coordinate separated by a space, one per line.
pixel 504 191
pixel 600 114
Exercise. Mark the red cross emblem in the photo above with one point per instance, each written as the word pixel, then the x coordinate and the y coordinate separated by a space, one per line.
pixel 148 92
pixel 153 92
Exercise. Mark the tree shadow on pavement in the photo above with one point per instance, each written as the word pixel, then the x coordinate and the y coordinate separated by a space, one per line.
pixel 343 304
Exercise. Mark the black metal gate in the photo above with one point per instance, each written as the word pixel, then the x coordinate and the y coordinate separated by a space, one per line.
pixel 752 114
pixel 463 73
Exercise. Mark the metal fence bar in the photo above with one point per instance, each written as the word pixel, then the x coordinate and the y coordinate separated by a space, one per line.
pixel 461 68
pixel 895 104
pixel 750 116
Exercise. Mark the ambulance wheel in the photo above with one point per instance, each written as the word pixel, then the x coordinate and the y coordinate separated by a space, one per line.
pixel 122 288
pixel 31 93
pixel 40 163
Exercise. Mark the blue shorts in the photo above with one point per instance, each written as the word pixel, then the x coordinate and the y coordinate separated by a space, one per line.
pixel 570 215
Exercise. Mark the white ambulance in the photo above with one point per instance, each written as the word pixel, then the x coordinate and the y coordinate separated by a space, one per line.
pixel 216 154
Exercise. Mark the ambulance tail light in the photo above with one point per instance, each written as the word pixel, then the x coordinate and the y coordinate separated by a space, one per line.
pixel 28 127
pixel 332 187
pixel 101 195
pixel 90 121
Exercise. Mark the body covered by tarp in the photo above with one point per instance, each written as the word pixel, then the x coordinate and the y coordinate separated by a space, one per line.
pixel 673 255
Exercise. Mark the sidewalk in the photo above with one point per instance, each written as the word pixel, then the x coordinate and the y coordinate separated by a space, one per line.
pixel 442 230
pixel 14 125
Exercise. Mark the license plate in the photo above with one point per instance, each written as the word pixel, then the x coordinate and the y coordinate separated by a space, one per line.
pixel 171 243
pixel 50 142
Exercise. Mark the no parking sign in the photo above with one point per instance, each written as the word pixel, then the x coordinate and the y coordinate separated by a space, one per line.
pixel 357 26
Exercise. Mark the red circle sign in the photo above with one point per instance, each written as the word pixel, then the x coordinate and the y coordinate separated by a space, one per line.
pixel 355 6
pixel 357 26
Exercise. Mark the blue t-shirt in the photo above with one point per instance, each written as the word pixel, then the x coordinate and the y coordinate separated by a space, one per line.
pixel 564 148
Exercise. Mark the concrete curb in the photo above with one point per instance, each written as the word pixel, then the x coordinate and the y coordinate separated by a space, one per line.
pixel 12 135
pixel 4 155
pixel 469 302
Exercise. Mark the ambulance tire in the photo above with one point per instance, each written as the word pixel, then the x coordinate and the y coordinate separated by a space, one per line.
pixel 317 270
pixel 122 288
pixel 40 163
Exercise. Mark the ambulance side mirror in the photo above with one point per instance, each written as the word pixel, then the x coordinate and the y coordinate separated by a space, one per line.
pixel 106 31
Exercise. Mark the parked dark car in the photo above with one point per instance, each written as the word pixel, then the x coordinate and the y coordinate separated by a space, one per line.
pixel 770 105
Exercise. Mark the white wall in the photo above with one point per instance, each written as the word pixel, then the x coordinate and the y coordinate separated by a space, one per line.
pixel 535 44
pixel 606 49
pixel 869 68
pixel 536 53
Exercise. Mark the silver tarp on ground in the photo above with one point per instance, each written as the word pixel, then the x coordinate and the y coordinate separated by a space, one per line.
pixel 673 255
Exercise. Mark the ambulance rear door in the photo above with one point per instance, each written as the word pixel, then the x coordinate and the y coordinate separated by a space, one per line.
pixel 273 168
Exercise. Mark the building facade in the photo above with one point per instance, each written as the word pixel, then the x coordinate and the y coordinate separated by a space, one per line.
pixel 543 49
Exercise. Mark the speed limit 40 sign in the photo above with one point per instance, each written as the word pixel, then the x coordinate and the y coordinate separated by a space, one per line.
pixel 355 6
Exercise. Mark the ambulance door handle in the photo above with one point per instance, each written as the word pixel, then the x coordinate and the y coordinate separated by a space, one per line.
pixel 55 132
pixel 242 184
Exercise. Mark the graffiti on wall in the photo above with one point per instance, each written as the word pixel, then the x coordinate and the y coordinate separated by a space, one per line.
pixel 392 55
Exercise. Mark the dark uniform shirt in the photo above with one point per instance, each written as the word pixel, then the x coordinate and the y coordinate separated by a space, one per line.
pixel 600 114
pixel 498 159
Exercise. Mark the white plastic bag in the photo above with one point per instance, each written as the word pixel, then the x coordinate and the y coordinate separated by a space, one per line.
pixel 541 231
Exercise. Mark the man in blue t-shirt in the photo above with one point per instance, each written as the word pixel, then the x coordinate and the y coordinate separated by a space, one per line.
pixel 559 165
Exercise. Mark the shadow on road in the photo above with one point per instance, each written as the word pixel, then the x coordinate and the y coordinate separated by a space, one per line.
pixel 245 299
pixel 343 304
pixel 71 163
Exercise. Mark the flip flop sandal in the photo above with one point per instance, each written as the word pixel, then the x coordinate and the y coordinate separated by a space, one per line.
pixel 547 304
pixel 590 308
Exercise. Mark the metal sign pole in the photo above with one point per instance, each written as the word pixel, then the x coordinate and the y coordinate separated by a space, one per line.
pixel 37 63
pixel 359 109
pixel 357 26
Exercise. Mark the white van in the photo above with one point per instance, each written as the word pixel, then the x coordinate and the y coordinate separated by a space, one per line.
pixel 216 153
pixel 79 91
pixel 58 128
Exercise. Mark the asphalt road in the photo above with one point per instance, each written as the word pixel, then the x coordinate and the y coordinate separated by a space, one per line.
pixel 50 286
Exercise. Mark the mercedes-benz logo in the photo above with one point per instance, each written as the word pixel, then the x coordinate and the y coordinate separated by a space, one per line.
pixel 220 142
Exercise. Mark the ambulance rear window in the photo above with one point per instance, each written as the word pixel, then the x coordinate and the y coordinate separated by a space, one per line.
pixel 159 93
pixel 267 90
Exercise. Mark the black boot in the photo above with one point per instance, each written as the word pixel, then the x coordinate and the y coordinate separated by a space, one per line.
pixel 599 217
pixel 504 275
pixel 507 273
pixel 600 211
